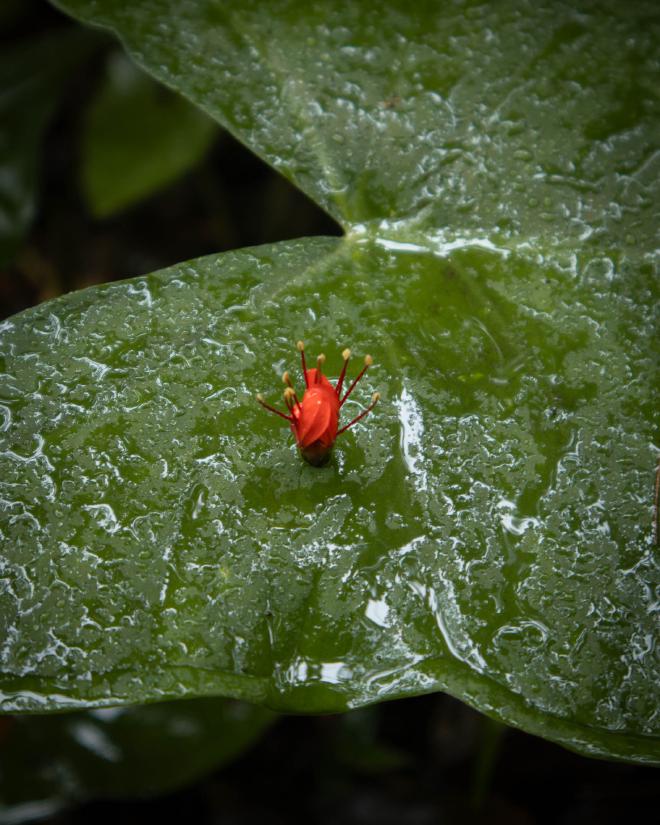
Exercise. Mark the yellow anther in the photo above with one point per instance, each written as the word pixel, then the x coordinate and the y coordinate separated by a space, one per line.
pixel 286 378
pixel 375 397
pixel 346 354
pixel 301 346
pixel 289 393
pixel 368 360
pixel 260 397
pixel 320 361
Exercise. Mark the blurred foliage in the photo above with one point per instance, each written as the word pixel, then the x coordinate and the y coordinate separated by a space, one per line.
pixel 33 77
pixel 138 137
pixel 11 11
pixel 47 763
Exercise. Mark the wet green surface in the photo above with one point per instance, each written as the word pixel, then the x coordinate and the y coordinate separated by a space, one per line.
pixel 487 531
pixel 536 122
pixel 481 533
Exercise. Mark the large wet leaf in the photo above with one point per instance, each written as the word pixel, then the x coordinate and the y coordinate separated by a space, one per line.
pixel 50 762
pixel 483 534
pixel 535 122
pixel 488 531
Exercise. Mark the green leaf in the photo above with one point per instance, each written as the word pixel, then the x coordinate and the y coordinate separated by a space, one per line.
pixel 538 125
pixel 32 78
pixel 47 763
pixel 138 138
pixel 488 530
pixel 162 538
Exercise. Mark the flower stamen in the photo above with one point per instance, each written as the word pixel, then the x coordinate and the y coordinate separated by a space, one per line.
pixel 368 361
pixel 286 379
pixel 346 354
pixel 375 398
pixel 320 361
pixel 301 350
pixel 263 403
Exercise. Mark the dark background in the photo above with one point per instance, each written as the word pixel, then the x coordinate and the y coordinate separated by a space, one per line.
pixel 343 770
pixel 412 762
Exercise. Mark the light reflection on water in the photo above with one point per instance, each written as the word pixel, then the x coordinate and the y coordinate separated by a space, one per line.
pixel 412 437
pixel 513 524
pixel 377 611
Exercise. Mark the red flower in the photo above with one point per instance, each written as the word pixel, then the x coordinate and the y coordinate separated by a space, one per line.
pixel 315 420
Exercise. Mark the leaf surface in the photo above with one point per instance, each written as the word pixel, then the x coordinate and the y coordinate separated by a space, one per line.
pixel 487 531
pixel 480 534
pixel 536 124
